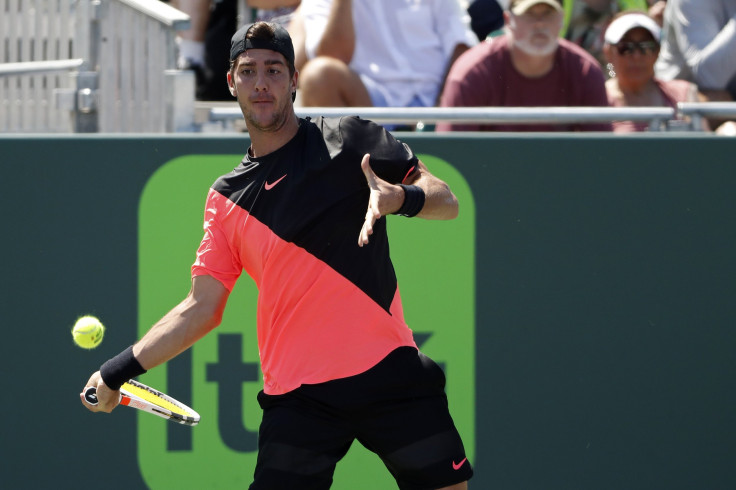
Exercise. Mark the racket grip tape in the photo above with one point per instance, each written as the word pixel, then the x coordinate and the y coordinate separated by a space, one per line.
pixel 90 395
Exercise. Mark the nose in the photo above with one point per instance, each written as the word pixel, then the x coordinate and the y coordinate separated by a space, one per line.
pixel 261 82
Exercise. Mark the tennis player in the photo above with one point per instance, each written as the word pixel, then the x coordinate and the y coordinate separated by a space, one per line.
pixel 303 214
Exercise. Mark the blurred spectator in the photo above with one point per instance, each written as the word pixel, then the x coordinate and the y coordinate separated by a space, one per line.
pixel 379 52
pixel 278 11
pixel 285 13
pixel 204 48
pixel 223 22
pixel 656 11
pixel 486 17
pixel 587 21
pixel 631 48
pixel 529 66
pixel 699 45
pixel 191 42
pixel 200 48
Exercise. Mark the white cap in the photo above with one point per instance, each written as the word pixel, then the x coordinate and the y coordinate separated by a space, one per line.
pixel 518 7
pixel 621 25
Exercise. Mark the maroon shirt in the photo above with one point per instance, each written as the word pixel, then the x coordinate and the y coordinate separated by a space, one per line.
pixel 484 76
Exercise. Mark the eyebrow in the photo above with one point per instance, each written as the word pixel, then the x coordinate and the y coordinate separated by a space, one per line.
pixel 267 62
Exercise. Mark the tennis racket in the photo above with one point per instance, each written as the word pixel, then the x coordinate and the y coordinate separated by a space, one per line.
pixel 137 395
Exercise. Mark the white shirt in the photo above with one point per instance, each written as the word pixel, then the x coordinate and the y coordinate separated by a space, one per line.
pixel 699 42
pixel 401 46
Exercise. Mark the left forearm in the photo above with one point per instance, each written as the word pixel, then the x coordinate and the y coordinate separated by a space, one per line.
pixel 439 201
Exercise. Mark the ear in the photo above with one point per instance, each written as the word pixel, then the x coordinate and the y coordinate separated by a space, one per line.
pixel 295 81
pixel 231 84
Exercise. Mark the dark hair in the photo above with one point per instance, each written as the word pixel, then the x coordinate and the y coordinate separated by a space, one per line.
pixel 263 35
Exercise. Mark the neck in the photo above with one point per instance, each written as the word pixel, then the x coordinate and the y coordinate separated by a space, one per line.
pixel 635 87
pixel 644 94
pixel 263 142
pixel 531 66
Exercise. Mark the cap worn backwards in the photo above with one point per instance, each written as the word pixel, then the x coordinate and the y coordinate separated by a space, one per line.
pixel 280 42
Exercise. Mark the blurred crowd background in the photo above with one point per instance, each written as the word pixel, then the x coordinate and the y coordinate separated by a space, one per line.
pixel 465 53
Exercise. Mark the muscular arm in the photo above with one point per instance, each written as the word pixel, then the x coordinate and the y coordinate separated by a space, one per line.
pixel 440 202
pixel 189 321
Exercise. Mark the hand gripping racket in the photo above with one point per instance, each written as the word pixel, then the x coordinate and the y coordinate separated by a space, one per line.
pixel 137 395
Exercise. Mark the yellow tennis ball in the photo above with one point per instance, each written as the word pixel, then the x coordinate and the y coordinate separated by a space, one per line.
pixel 88 332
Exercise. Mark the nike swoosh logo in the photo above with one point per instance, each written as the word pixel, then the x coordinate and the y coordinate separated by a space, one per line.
pixel 457 466
pixel 272 184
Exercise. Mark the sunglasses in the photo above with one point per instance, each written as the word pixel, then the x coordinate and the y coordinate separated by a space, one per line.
pixel 645 47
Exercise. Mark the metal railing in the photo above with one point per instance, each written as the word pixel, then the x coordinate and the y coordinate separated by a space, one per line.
pixel 657 117
pixel 92 66
pixel 697 111
pixel 140 89
pixel 32 33
pixel 686 117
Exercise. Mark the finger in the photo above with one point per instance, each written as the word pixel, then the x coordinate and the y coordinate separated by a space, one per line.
pixel 371 215
pixel 363 236
pixel 89 399
pixel 370 176
pixel 97 396
pixel 93 382
pixel 366 230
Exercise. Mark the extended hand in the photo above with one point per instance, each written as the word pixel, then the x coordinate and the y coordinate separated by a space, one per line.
pixel 385 199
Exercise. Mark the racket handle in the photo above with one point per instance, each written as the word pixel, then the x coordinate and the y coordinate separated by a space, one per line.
pixel 90 395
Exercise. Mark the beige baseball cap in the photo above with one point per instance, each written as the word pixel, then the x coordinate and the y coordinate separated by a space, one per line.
pixel 518 7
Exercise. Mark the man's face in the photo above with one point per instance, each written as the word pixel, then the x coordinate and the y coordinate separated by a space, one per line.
pixel 261 82
pixel 535 31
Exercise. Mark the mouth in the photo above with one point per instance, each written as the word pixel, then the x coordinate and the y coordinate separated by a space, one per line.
pixel 540 36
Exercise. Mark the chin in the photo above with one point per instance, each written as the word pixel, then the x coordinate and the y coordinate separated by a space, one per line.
pixel 541 49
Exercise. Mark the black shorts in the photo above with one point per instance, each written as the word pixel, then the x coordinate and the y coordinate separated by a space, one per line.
pixel 397 409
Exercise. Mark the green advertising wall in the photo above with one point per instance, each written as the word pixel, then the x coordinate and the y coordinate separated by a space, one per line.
pixel 582 306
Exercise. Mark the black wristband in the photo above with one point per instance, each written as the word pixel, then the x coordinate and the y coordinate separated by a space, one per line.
pixel 120 369
pixel 413 201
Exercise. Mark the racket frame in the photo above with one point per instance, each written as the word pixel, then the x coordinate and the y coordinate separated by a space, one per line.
pixel 132 400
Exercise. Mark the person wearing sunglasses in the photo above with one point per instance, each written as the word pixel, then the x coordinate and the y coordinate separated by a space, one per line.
pixel 631 48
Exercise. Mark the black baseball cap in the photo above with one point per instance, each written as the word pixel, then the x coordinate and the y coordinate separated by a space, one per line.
pixel 280 42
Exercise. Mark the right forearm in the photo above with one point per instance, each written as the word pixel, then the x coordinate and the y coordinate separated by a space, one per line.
pixel 174 333
pixel 189 321
pixel 338 40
